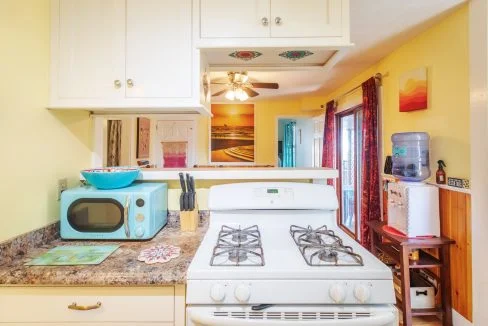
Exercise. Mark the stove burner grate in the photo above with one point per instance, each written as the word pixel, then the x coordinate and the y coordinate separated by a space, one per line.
pixel 322 247
pixel 238 247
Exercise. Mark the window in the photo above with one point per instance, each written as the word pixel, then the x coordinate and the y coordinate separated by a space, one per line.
pixel 349 144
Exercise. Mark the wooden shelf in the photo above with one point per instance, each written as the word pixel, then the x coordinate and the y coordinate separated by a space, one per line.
pixel 425 261
pixel 427 312
pixel 398 248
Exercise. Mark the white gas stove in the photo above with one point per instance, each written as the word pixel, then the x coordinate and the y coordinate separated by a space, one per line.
pixel 273 255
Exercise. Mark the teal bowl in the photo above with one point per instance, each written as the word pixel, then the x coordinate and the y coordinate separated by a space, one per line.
pixel 111 178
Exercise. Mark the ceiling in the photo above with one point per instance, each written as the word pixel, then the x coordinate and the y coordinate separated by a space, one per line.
pixel 376 30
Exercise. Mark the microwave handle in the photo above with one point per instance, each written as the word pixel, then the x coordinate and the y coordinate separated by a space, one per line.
pixel 126 216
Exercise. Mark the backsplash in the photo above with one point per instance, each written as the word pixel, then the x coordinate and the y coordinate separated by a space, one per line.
pixel 18 246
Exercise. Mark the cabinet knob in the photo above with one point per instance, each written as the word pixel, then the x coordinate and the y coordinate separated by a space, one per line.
pixel 265 21
pixel 117 84
pixel 130 83
pixel 278 20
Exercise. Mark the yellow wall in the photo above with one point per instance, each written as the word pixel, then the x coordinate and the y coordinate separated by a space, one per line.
pixel 37 146
pixel 443 49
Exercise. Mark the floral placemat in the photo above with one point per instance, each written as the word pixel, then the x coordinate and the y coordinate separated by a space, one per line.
pixel 160 253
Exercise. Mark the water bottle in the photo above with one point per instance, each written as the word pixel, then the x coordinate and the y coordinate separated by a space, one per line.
pixel 411 156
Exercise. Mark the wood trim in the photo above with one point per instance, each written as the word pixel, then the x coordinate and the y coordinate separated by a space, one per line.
pixel 455 214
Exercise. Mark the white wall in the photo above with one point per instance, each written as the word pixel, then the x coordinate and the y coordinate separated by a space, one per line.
pixel 479 156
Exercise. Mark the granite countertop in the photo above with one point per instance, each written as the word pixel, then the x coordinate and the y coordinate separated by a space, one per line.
pixel 120 269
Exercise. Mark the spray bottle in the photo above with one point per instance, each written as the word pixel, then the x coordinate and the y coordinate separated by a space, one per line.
pixel 440 175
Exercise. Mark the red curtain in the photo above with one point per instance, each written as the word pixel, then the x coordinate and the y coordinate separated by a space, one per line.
pixel 370 186
pixel 328 154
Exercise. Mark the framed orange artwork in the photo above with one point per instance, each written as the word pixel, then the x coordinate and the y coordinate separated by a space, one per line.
pixel 413 90
pixel 232 133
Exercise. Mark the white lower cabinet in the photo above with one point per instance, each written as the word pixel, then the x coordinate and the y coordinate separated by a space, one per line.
pixel 92 306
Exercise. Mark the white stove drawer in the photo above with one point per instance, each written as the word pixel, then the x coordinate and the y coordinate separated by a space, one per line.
pixel 293 316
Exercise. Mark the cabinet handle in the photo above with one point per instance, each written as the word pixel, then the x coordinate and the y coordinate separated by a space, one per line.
pixel 74 306
pixel 130 83
pixel 278 20
pixel 264 21
pixel 117 84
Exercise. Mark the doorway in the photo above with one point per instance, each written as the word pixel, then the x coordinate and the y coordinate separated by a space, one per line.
pixel 295 143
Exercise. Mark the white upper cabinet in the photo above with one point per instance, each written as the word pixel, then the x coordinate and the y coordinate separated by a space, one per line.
pixel 306 18
pixel 90 56
pixel 131 55
pixel 224 18
pixel 271 23
pixel 159 49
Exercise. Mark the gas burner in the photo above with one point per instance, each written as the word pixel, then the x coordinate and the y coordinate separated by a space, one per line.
pixel 321 247
pixel 238 247
pixel 327 255
pixel 237 255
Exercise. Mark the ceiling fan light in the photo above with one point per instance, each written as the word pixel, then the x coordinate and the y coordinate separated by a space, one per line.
pixel 230 95
pixel 241 95
pixel 244 78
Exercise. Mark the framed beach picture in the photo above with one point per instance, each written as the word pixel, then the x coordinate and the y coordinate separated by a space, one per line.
pixel 143 137
pixel 232 134
pixel 413 90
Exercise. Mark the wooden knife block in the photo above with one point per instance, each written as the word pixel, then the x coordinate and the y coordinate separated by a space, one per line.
pixel 189 219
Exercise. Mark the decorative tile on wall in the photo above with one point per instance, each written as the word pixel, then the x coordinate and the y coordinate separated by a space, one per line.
pixel 245 55
pixel 295 54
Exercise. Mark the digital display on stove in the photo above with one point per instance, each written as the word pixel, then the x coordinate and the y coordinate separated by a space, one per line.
pixel 272 191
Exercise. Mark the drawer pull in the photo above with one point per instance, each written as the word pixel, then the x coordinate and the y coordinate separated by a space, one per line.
pixel 74 306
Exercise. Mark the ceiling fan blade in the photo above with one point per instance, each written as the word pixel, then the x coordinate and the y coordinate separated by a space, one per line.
pixel 220 92
pixel 266 85
pixel 250 92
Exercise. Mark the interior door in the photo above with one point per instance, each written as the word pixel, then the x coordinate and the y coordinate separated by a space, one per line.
pixel 224 18
pixel 159 49
pixel 91 48
pixel 306 18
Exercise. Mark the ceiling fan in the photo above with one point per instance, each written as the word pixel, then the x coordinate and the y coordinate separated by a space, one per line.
pixel 239 87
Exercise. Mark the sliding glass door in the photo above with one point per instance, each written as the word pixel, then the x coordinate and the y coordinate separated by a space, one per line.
pixel 349 144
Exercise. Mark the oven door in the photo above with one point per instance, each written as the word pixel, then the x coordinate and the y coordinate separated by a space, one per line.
pixel 293 316
pixel 97 218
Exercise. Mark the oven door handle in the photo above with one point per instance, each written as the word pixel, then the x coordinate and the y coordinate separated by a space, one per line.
pixel 126 217
pixel 204 319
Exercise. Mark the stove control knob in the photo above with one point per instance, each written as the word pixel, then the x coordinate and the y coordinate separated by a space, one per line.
pixel 217 292
pixel 362 293
pixel 337 293
pixel 242 293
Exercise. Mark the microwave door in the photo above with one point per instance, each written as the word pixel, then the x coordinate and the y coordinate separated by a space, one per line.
pixel 97 216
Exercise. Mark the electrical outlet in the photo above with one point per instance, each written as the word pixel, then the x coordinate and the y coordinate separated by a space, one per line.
pixel 62 186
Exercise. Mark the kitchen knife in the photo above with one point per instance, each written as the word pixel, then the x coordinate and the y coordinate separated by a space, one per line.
pixel 183 197
pixel 190 194
pixel 182 201
pixel 182 182
pixel 193 191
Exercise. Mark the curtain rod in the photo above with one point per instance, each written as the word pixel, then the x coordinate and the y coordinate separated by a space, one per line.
pixel 377 76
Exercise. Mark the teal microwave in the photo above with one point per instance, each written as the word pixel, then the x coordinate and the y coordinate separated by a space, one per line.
pixel 136 212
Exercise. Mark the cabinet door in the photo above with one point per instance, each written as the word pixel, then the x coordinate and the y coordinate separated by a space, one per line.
pixel 159 49
pixel 224 18
pixel 306 18
pixel 91 49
